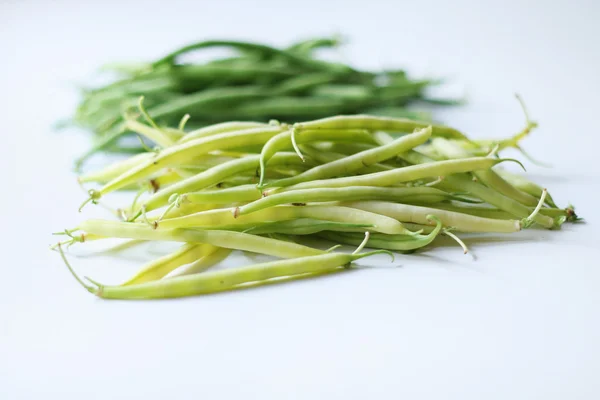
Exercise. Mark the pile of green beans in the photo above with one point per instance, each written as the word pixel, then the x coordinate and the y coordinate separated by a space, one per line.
pixel 291 190
pixel 259 82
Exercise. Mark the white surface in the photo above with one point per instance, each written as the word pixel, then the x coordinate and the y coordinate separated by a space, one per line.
pixel 520 322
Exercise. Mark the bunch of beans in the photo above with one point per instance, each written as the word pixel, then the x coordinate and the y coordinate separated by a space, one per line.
pixel 258 83
pixel 388 184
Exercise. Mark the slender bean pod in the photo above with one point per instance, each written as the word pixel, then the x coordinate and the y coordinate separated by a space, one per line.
pixel 412 173
pixel 360 160
pixel 287 139
pixel 227 279
pixel 159 268
pixel 340 194
pixel 418 215
pixel 226 239
pixel 375 123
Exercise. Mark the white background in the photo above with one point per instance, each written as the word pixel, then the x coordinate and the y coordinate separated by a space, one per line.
pixel 519 322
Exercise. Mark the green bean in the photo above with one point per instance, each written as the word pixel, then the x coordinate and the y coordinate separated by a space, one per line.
pixel 159 268
pixel 220 128
pixel 286 139
pixel 388 242
pixel 235 194
pixel 115 169
pixel 328 157
pixel 197 77
pixel 305 226
pixel 184 152
pixel 227 279
pixel 412 173
pixel 293 58
pixel 303 82
pixel 202 103
pixel 378 124
pixel 359 160
pixel 488 177
pixel 417 214
pixel 340 194
pixel 227 218
pixel 219 238
pixel 214 176
pixel 193 103
pixel 202 264
pixel 351 92
pixel 486 194
pixel 496 213
pixel 526 186
pixel 399 112
pixel 287 107
pixel 156 135
pixel 181 210
pixel 305 47
pixel 496 199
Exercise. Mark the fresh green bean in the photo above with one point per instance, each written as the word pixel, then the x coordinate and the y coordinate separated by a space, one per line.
pixel 227 279
pixel 377 124
pixel 288 139
pixel 156 135
pixel 305 47
pixel 214 176
pixel 287 107
pixel 264 50
pixel 227 218
pixel 159 268
pixel 462 183
pixel 305 226
pixel 388 242
pixel 235 194
pixel 220 128
pixel 488 177
pixel 303 82
pixel 182 153
pixel 340 194
pixel 202 264
pixel 417 214
pixel 219 238
pixel 328 157
pixel 526 186
pixel 115 169
pixel 488 212
pixel 412 173
pixel 359 160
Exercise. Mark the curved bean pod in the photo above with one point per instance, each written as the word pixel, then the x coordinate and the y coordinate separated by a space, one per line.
pixel 225 218
pixel 235 194
pixel 360 160
pixel 306 226
pixel 375 123
pixel 115 169
pixel 285 140
pixel 220 128
pixel 411 173
pixel 417 214
pixel 214 176
pixel 160 267
pixel 340 194
pixel 186 151
pixel 396 243
pixel 202 264
pixel 526 186
pixel 226 239
pixel 463 183
pixel 227 279
pixel 490 178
